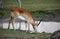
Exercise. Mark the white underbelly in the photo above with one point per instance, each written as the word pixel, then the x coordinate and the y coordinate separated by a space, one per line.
pixel 21 17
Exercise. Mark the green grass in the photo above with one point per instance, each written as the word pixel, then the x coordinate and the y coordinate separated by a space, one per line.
pixel 42 14
pixel 20 33
pixel 32 5
pixel 40 4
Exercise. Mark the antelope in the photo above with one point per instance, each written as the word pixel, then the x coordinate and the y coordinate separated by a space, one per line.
pixel 27 16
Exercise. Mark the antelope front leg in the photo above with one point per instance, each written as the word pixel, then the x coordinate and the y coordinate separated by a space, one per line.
pixel 35 28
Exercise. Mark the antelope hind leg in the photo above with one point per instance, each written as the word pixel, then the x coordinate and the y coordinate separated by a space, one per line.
pixel 28 26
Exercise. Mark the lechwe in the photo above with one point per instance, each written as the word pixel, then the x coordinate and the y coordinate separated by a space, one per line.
pixel 27 16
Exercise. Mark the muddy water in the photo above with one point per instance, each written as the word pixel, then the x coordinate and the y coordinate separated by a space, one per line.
pixel 48 27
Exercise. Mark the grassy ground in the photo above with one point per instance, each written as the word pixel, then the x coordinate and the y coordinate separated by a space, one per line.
pixel 41 4
pixel 33 4
pixel 23 34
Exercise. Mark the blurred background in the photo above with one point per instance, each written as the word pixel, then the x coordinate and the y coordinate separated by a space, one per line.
pixel 49 10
